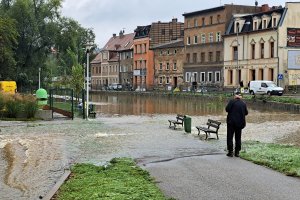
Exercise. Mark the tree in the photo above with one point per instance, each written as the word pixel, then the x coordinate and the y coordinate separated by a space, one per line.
pixel 8 42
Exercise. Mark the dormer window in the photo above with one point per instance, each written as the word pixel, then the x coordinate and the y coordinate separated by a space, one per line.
pixel 275 19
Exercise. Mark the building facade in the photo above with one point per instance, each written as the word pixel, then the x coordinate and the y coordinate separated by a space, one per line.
pixel 258 48
pixel 203 41
pixel 146 37
pixel 168 65
pixel 114 62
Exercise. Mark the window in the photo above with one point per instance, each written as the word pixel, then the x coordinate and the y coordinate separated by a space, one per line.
pixel 194 57
pixel 188 40
pixel 195 22
pixel 217 76
pixel 218 37
pixel 210 56
pixel 161 53
pixel 203 21
pixel 175 51
pixel 253 51
pixel 209 78
pixel 203 57
pixel 255 26
pixel 271 49
pixel 167 80
pixel 168 66
pixel 218 56
pixel 195 39
pixel 160 80
pixel 211 19
pixel 202 77
pixel 218 18
pixel 160 66
pixel 194 77
pixel 170 32
pixel 265 24
pixel 230 77
pixel 274 22
pixel 187 76
pixel 163 31
pixel 174 66
pixel 168 52
pixel 203 39
pixel 188 24
pixel 188 58
pixel 181 32
pixel 235 53
pixel 262 50
pixel 211 37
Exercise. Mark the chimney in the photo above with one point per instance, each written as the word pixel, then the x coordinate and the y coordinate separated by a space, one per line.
pixel 174 20
pixel 121 34
pixel 265 8
pixel 114 35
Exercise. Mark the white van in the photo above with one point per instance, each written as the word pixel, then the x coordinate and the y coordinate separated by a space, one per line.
pixel 265 87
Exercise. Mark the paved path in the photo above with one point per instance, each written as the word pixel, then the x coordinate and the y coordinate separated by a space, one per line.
pixel 219 177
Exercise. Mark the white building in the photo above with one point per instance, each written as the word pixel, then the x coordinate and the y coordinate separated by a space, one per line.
pixel 263 46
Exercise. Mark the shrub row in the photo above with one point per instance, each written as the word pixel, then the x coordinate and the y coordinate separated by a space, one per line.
pixel 13 106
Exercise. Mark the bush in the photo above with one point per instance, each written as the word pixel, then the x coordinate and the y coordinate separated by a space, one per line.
pixel 2 103
pixel 13 107
pixel 30 106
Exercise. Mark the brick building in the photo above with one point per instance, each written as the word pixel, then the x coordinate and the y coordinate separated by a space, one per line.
pixel 168 62
pixel 145 38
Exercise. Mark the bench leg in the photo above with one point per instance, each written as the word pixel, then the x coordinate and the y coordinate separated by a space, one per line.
pixel 217 136
pixel 206 135
pixel 170 125
pixel 174 126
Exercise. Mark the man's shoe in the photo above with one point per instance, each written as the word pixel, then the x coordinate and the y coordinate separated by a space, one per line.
pixel 229 154
pixel 237 154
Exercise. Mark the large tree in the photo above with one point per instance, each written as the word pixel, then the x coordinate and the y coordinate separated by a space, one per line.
pixel 8 42
pixel 44 38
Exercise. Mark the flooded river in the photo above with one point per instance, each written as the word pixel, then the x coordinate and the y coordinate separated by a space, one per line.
pixel 33 155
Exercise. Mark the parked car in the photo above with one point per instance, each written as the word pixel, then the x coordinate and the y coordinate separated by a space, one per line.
pixel 115 86
pixel 265 87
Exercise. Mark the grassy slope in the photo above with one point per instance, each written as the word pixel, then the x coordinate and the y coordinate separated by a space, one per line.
pixel 120 180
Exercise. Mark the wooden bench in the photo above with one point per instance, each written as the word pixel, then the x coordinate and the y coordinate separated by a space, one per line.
pixel 212 127
pixel 179 121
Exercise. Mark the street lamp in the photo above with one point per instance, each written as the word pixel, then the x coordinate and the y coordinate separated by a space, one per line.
pixel 88 47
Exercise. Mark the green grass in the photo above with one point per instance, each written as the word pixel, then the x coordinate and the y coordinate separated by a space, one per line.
pixel 122 179
pixel 282 158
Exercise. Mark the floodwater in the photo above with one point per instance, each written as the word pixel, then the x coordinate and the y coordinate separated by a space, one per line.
pixel 34 155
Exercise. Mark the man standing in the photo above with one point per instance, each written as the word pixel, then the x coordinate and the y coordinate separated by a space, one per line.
pixel 237 110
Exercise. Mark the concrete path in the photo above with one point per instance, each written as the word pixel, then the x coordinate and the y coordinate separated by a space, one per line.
pixel 220 177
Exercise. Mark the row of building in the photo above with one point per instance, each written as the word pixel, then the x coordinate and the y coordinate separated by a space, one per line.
pixel 222 47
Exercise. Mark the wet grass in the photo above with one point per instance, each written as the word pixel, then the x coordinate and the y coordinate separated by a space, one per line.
pixel 120 180
pixel 282 158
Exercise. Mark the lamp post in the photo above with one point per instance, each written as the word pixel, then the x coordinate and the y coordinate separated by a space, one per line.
pixel 238 44
pixel 39 77
pixel 88 48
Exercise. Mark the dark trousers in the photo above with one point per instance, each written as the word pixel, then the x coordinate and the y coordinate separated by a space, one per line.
pixel 237 132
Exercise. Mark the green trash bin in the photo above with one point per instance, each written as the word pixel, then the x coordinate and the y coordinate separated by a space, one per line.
pixel 187 124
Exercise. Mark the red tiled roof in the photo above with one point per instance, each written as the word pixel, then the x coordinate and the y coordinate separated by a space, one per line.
pixel 120 43
pixel 97 59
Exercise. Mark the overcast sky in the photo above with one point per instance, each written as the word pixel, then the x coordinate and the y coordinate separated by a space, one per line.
pixel 106 17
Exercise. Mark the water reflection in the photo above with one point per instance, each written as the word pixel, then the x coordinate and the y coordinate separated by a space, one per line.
pixel 125 104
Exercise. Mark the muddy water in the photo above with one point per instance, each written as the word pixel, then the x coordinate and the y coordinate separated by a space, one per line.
pixel 34 155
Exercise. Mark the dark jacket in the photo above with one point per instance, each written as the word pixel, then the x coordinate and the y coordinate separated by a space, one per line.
pixel 237 110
